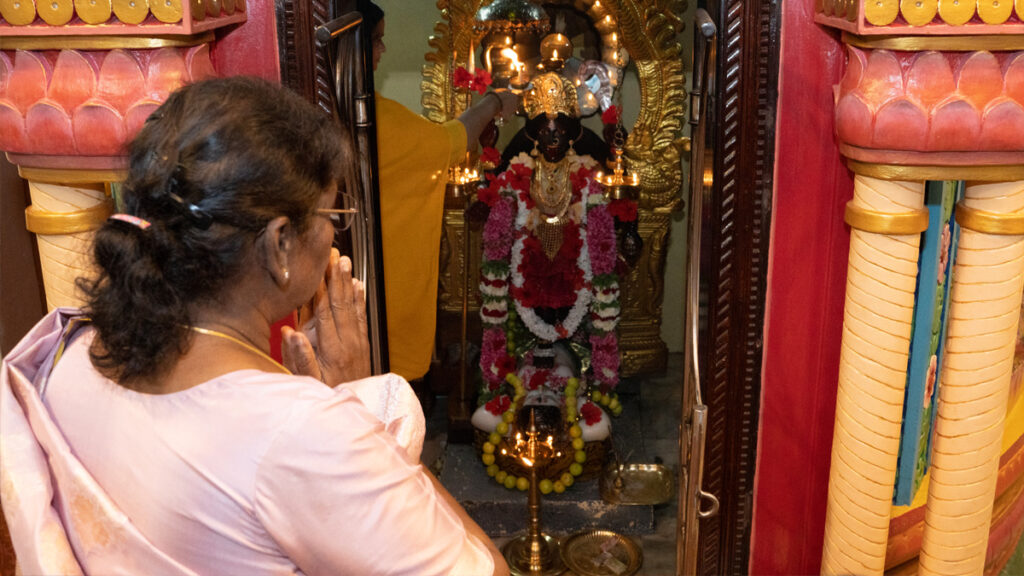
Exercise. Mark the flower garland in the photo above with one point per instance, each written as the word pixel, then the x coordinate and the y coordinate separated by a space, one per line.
pixel 514 263
pixel 580 276
pixel 528 259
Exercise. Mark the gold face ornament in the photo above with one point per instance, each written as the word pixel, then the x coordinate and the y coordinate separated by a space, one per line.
pixel 551 94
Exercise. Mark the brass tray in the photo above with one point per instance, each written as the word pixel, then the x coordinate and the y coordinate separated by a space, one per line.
pixel 646 484
pixel 601 553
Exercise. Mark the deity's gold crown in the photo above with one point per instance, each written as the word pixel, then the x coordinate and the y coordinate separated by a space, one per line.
pixel 550 95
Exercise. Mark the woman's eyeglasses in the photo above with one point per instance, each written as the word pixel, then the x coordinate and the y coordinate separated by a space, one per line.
pixel 341 218
pixel 335 213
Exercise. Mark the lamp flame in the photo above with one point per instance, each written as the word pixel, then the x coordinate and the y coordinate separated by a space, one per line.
pixel 512 57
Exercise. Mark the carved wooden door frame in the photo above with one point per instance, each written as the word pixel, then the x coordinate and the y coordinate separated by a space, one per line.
pixel 736 223
pixel 303 68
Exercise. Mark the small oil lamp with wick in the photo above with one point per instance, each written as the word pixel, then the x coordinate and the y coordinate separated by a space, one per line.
pixel 534 553
pixel 555 49
pixel 463 176
pixel 518 82
pixel 623 185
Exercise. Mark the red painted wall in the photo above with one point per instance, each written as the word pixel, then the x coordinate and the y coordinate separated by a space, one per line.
pixel 804 306
pixel 251 48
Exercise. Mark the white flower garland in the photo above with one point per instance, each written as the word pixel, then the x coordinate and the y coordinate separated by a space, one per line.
pixel 494 301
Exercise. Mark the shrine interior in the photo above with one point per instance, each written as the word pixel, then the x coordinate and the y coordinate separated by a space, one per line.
pixel 736 290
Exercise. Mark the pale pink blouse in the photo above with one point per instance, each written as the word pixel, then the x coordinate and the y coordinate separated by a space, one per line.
pixel 256 473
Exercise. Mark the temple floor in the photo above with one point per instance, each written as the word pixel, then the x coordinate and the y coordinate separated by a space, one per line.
pixel 646 432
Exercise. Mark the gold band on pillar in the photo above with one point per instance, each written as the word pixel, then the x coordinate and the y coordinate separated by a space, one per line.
pixel 49 223
pixel 989 222
pixel 886 222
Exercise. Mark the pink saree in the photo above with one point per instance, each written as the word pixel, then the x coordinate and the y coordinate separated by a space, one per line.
pixel 61 521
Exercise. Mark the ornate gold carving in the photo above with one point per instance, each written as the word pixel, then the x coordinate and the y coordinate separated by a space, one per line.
pixel 551 95
pixel 648 32
pixel 989 222
pixel 999 173
pixel 40 222
pixel 650 147
pixel 640 341
pixel 452 262
pixel 886 222
pixel 452 35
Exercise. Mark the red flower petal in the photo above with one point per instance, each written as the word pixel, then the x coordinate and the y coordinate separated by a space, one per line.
pixel 591 413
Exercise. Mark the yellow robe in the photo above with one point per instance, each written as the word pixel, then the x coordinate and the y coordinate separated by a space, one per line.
pixel 413 156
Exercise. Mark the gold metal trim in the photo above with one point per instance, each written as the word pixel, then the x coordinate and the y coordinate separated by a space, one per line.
pixel 994 173
pixel 69 176
pixel 50 223
pixel 896 223
pixel 989 222
pixel 991 43
pixel 106 42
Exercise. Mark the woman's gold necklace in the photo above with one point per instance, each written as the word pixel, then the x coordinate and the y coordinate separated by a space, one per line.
pixel 241 343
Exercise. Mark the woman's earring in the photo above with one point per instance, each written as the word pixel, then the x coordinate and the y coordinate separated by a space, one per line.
pixel 572 151
pixel 286 274
pixel 535 152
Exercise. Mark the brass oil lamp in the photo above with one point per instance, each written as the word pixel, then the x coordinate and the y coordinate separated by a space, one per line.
pixel 534 553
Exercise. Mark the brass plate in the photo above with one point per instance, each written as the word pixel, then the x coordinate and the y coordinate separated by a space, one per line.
pixel 642 484
pixel 601 553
